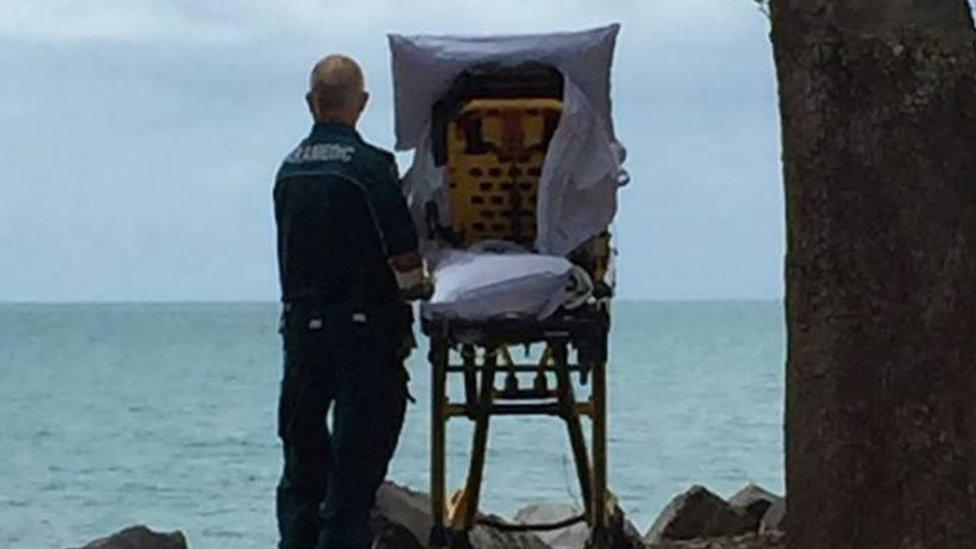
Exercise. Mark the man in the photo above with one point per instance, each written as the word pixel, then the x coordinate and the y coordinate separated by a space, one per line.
pixel 347 250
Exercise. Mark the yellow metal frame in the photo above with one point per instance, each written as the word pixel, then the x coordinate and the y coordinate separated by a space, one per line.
pixel 494 185
pixel 480 364
pixel 495 152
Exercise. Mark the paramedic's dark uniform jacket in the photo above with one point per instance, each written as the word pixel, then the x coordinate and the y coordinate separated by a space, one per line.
pixel 340 216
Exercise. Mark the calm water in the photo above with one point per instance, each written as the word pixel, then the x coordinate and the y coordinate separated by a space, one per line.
pixel 164 414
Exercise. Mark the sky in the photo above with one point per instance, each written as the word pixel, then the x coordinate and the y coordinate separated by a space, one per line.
pixel 139 138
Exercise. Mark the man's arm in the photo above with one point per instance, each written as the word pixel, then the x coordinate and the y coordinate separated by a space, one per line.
pixel 401 239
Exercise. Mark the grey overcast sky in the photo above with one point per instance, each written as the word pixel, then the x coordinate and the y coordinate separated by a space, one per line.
pixel 138 138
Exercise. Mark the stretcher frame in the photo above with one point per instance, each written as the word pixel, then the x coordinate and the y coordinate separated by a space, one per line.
pixel 493 136
pixel 478 352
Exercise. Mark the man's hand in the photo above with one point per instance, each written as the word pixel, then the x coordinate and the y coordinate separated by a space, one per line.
pixel 409 272
pixel 422 291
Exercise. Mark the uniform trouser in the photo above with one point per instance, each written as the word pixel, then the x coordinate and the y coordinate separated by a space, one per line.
pixel 330 479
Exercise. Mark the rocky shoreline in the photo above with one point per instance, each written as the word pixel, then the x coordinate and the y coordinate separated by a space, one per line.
pixel 753 518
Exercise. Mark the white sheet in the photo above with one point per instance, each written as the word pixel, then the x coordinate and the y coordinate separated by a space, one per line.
pixel 582 171
pixel 486 286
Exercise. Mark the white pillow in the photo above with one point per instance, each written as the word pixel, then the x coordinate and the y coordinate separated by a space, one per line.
pixel 425 66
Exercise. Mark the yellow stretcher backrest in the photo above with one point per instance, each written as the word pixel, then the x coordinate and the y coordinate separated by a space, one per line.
pixel 495 150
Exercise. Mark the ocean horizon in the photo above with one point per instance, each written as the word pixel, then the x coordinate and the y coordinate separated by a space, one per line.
pixel 163 413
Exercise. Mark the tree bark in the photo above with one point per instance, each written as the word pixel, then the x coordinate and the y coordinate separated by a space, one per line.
pixel 878 107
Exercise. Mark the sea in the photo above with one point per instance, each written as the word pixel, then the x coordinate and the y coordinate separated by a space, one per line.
pixel 164 414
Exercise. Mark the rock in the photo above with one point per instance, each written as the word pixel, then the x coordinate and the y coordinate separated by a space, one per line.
pixel 401 506
pixel 390 535
pixel 400 512
pixel 698 513
pixel 570 537
pixel 484 537
pixel 754 501
pixel 775 518
pixel 745 541
pixel 632 536
pixel 139 537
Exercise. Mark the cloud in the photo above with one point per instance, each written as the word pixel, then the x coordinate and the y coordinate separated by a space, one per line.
pixel 123 20
pixel 196 22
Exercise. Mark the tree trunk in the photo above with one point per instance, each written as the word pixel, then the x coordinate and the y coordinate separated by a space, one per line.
pixel 878 105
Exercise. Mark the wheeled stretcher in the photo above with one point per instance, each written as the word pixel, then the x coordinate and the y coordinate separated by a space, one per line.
pixel 490 134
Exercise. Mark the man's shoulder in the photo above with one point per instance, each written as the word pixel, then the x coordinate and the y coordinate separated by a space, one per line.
pixel 319 156
pixel 339 152
pixel 326 150
pixel 377 154
pixel 379 162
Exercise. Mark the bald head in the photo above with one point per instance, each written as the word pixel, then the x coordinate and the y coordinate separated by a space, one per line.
pixel 336 90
